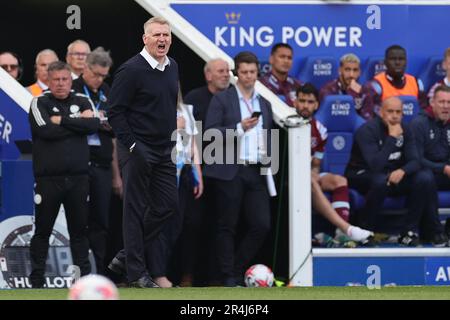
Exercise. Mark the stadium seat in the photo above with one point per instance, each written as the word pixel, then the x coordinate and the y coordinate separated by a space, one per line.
pixel 264 67
pixel 338 114
pixel 318 70
pixel 373 66
pixel 432 72
pixel 410 107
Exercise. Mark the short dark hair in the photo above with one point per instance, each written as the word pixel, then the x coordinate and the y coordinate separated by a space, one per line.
pixel 245 57
pixel 280 45
pixel 308 88
pixel 57 66
pixel 394 47
pixel 442 87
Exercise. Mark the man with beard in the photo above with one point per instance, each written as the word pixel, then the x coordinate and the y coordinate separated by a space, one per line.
pixel 347 83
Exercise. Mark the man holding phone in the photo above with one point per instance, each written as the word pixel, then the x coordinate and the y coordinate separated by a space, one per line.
pixel 240 184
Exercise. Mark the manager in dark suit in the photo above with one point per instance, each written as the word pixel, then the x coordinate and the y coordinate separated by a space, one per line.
pixel 143 116
pixel 240 184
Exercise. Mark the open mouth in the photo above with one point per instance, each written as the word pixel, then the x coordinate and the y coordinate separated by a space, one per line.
pixel 161 47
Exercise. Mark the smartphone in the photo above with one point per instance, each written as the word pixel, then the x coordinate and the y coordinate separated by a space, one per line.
pixel 103 120
pixel 256 114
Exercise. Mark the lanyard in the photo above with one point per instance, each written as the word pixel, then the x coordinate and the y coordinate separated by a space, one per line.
pixel 100 96
pixel 249 107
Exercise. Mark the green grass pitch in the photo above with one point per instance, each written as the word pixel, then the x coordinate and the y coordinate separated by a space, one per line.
pixel 218 293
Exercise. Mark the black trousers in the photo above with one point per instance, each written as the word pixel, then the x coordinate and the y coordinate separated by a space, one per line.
pixel 100 186
pixel 247 191
pixel 150 198
pixel 50 193
pixel 198 250
pixel 161 250
pixel 420 189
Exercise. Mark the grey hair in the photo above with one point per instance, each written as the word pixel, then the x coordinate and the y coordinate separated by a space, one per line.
pixel 159 20
pixel 70 46
pixel 45 52
pixel 58 66
pixel 99 57
pixel 208 64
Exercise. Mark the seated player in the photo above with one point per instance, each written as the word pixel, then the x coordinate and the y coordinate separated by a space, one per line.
pixel 337 212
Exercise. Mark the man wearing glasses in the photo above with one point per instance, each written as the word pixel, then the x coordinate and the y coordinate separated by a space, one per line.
pixel 10 62
pixel 77 52
pixel 104 174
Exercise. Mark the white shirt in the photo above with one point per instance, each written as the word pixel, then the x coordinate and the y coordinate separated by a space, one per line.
pixel 42 85
pixel 153 62
pixel 184 142
pixel 252 141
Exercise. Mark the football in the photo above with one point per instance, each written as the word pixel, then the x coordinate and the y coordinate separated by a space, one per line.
pixel 259 275
pixel 93 287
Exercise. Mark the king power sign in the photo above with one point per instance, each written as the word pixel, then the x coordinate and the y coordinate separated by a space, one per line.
pixel 364 29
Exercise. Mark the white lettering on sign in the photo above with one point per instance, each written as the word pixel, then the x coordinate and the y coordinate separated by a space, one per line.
pixel 340 109
pixel 232 36
pixel 322 68
pixel 5 128
pixel 443 274
pixel 408 109
pixel 265 36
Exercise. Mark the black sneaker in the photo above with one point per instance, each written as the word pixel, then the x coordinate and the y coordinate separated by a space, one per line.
pixel 117 267
pixel 440 240
pixel 144 282
pixel 409 239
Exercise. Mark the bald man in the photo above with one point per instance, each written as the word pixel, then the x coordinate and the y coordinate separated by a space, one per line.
pixel 384 162
pixel 217 77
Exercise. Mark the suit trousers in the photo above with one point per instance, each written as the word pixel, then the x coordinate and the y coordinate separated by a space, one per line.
pixel 420 190
pixel 245 195
pixel 100 186
pixel 150 198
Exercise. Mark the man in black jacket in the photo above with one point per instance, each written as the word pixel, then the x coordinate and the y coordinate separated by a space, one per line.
pixel 239 184
pixel 384 162
pixel 60 122
pixel 143 115
pixel 104 174
pixel 432 133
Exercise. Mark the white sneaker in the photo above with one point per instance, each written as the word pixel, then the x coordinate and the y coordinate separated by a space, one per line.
pixel 358 234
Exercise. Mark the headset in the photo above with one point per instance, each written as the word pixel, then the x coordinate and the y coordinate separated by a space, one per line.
pixel 19 61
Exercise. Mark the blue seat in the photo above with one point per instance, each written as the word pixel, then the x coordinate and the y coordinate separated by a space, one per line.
pixel 432 72
pixel 337 113
pixel 264 67
pixel 373 66
pixel 357 201
pixel 318 70
pixel 410 107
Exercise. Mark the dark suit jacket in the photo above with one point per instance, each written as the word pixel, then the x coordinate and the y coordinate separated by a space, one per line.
pixel 224 113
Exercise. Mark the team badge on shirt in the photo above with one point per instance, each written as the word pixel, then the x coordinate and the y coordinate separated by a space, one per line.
pixel 399 142
pixel 74 108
